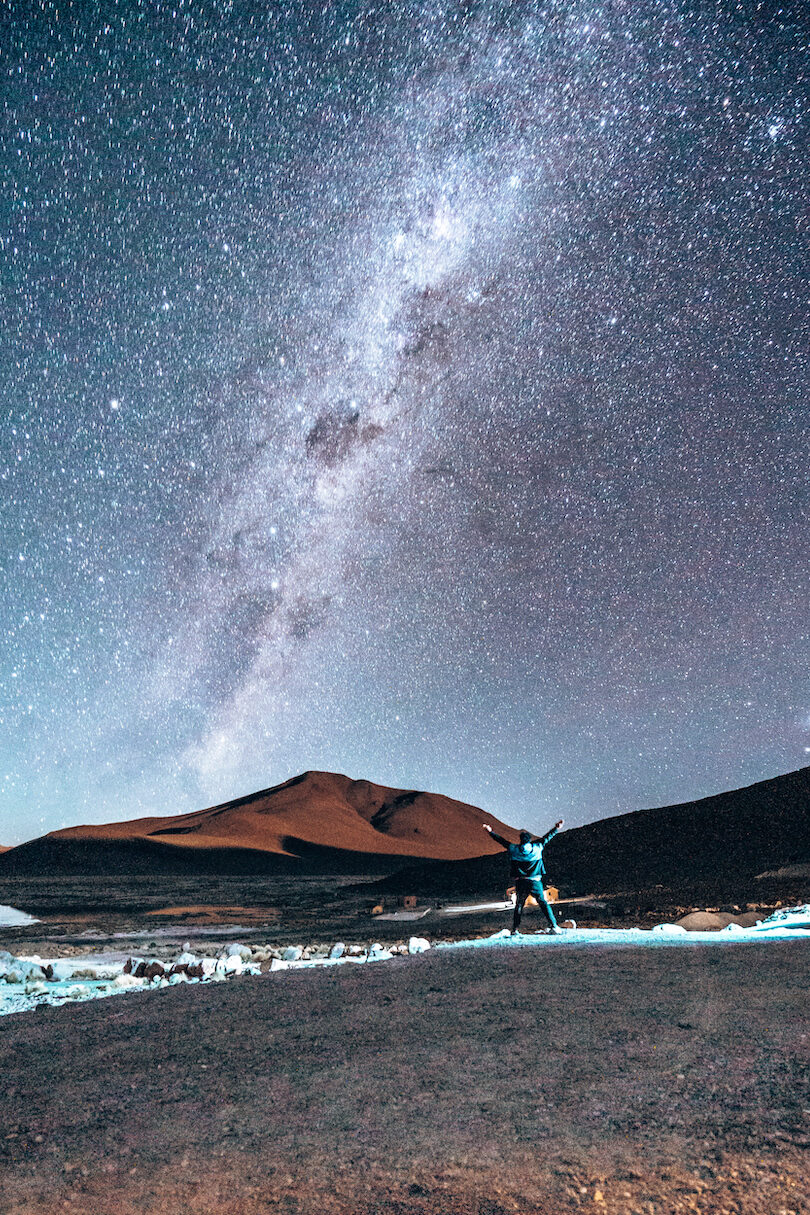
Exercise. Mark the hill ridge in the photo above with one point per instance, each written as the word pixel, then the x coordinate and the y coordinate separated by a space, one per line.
pixel 323 815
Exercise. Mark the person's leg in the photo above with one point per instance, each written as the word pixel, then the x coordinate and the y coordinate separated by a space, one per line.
pixel 520 903
pixel 545 907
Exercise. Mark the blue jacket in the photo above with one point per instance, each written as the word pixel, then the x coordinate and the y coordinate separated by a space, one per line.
pixel 526 860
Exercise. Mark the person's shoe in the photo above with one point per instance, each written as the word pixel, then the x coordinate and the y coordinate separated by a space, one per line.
pixel 516 932
pixel 556 931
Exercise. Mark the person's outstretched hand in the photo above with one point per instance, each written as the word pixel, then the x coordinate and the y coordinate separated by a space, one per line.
pixel 487 827
pixel 560 823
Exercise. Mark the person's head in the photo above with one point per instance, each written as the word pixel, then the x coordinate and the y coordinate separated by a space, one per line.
pixel 525 837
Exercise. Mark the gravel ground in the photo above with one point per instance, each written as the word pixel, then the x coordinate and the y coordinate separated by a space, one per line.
pixel 474 1082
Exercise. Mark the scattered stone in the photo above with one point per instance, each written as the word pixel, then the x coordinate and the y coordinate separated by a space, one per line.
pixel 186 958
pixel 292 953
pixel 127 980
pixel 239 951
pixel 337 950
pixel 418 945
pixel 377 953
pixel 229 964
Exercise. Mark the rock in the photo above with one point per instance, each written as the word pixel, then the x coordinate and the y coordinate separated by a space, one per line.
pixel 292 953
pixel 378 954
pixel 239 951
pixel 149 970
pixel 670 930
pixel 186 958
pixel 354 951
pixel 337 950
pixel 17 970
pixel 61 970
pixel 418 945
pixel 127 980
pixel 230 964
pixel 188 970
pixel 278 964
pixel 131 965
pixel 77 992
pixel 704 921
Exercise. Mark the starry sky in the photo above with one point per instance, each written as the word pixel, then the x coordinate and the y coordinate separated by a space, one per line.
pixel 416 390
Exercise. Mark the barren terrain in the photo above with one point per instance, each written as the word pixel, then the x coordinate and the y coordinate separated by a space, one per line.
pixel 485 1081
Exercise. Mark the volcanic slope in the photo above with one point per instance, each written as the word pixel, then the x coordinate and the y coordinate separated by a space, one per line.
pixel 319 821
pixel 719 844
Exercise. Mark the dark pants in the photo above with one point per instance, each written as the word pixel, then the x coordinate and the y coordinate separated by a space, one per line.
pixel 523 889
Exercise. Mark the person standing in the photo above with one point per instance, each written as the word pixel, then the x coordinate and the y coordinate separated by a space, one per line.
pixel 527 868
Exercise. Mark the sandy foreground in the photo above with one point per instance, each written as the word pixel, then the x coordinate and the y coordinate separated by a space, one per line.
pixel 484 1081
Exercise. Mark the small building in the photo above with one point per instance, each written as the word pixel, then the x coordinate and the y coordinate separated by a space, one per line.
pixel 408 901
pixel 551 892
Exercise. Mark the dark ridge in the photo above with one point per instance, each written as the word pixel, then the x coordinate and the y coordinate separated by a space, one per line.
pixel 715 845
pixel 149 856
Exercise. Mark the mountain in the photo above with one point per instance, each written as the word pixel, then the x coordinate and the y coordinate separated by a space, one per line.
pixel 719 844
pixel 317 822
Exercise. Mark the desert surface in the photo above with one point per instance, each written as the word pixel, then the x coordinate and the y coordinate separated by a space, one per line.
pixel 612 1069
pixel 510 1077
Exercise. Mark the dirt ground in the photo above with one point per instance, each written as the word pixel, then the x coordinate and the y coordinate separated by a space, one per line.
pixel 480 1082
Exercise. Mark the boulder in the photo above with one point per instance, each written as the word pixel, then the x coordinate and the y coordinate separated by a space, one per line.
pixel 418 945
pixel 705 921
pixel 337 950
pixel 230 964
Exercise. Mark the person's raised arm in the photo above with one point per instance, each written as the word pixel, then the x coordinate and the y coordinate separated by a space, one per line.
pixel 550 834
pixel 499 838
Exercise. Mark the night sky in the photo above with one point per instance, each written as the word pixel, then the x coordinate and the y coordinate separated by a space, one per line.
pixel 411 390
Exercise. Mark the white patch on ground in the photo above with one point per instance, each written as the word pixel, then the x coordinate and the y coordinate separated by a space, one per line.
pixel 92 976
pixel 790 923
pixel 10 917
pixel 467 908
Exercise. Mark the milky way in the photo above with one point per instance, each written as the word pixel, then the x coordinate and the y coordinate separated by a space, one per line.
pixel 417 391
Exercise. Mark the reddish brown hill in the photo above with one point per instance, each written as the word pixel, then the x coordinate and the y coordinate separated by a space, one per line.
pixel 327 820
